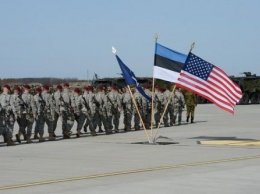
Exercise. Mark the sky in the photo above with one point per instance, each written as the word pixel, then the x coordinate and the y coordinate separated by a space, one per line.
pixel 73 38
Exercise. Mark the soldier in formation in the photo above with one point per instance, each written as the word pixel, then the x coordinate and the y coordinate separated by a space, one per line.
pixel 92 109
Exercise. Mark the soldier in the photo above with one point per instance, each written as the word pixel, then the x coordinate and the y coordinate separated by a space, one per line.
pixel 158 98
pixel 27 113
pixel 39 121
pixel 49 112
pixel 147 106
pixel 138 99
pixel 127 105
pixel 169 111
pixel 191 103
pixel 101 104
pixel 178 105
pixel 113 108
pixel 89 109
pixel 56 97
pixel 6 116
pixel 79 116
pixel 66 105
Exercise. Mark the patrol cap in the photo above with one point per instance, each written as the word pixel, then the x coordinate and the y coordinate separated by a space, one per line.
pixel 7 87
pixel 17 88
pixel 66 85
pixel 46 87
pixel 38 90
pixel 26 86
pixel 59 87
pixel 77 90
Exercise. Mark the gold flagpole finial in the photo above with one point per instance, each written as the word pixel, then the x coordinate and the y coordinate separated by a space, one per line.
pixel 192 46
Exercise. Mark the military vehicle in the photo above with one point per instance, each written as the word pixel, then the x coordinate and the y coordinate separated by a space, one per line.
pixel 250 86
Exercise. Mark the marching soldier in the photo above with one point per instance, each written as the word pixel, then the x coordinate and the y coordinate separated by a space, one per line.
pixel 6 116
pixel 169 111
pixel 56 97
pixel 49 111
pixel 138 99
pixel 113 108
pixel 39 121
pixel 178 105
pixel 79 116
pixel 26 114
pixel 191 103
pixel 66 105
pixel 147 106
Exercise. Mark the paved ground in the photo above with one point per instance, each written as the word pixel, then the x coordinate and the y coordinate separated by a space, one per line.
pixel 112 164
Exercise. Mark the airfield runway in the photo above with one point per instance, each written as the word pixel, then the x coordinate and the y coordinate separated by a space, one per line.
pixel 220 153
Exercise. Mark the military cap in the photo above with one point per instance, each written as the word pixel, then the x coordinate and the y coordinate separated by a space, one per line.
pixel 7 87
pixel 17 88
pixel 66 85
pixel 77 90
pixel 38 90
pixel 59 87
pixel 26 86
pixel 86 88
pixel 46 87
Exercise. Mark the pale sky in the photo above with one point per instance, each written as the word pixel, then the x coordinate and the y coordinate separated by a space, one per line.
pixel 73 38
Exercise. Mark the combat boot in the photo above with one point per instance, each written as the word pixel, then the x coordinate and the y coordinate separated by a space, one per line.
pixel 51 137
pixel 66 135
pixel 85 129
pixel 41 139
pixel 192 120
pixel 128 128
pixel 100 130
pixel 28 137
pixel 36 136
pixel 5 139
pixel 187 120
pixel 171 122
pixel 93 133
pixel 24 136
pixel 116 130
pixel 10 142
pixel 17 136
pixel 54 135
pixel 137 127
pixel 78 134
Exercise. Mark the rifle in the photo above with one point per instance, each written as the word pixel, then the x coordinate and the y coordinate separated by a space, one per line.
pixel 114 109
pixel 96 102
pixel 42 102
pixel 86 104
pixel 66 105
pixel 23 104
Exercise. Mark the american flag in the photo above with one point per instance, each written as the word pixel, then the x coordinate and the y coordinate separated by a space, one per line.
pixel 210 82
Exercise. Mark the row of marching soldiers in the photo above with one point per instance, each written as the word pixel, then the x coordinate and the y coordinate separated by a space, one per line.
pixel 91 109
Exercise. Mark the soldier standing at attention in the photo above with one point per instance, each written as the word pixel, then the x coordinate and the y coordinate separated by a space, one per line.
pixel 158 98
pixel 169 110
pixel 147 107
pixel 66 104
pixel 56 96
pixel 6 116
pixel 28 113
pixel 178 105
pixel 191 103
pixel 49 111
pixel 138 100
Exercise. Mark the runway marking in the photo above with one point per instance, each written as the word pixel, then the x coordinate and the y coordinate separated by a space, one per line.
pixel 231 142
pixel 127 172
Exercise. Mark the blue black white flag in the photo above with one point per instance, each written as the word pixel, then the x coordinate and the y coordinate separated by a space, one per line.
pixel 167 63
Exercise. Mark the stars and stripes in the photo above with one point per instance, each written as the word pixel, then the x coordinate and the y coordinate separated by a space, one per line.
pixel 210 82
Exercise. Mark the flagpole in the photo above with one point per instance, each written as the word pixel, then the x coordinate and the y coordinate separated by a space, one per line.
pixel 156 38
pixel 137 109
pixel 165 109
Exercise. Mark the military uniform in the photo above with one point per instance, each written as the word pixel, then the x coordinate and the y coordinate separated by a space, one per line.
pixel 146 108
pixel 138 100
pixel 169 110
pixel 178 105
pixel 26 113
pixel 158 98
pixel 191 102
pixel 128 109
pixel 6 116
pixel 56 98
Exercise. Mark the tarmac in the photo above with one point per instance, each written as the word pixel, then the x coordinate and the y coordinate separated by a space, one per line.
pixel 219 153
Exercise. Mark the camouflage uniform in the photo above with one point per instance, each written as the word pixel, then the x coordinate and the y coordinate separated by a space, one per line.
pixel 158 98
pixel 191 102
pixel 146 108
pixel 178 105
pixel 27 113
pixel 113 106
pixel 128 109
pixel 101 104
pixel 6 118
pixel 39 120
pixel 138 100
pixel 56 97
pixel 79 116
pixel 66 105
pixel 169 111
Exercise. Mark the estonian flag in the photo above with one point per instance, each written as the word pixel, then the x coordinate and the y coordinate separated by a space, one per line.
pixel 167 63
